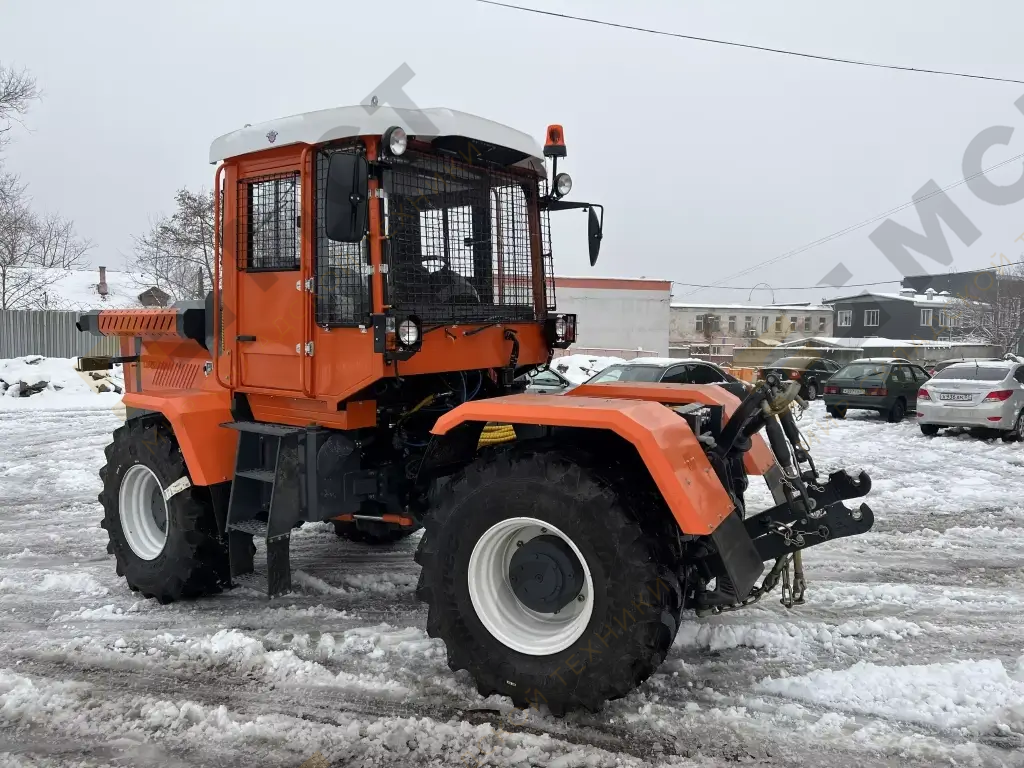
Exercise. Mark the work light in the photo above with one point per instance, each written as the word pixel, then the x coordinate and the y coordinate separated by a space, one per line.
pixel 563 184
pixel 409 332
pixel 396 140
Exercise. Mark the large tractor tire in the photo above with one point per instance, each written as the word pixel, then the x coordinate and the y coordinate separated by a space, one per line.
pixel 166 548
pixel 545 579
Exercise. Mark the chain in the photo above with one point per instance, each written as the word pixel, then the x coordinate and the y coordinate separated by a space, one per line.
pixel 780 569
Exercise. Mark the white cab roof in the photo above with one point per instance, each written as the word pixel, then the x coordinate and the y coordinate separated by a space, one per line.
pixel 346 122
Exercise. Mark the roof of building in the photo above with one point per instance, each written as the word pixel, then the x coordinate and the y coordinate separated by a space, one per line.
pixel 920 299
pixel 614 283
pixel 76 289
pixel 365 120
pixel 753 307
pixel 867 342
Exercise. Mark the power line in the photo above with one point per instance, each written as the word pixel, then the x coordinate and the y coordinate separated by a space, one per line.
pixel 854 227
pixel 748 46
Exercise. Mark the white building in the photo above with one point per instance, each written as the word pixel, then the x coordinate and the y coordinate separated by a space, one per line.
pixel 715 331
pixel 617 316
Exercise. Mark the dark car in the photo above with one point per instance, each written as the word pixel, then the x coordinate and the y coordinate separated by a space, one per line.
pixel 671 371
pixel 811 372
pixel 884 384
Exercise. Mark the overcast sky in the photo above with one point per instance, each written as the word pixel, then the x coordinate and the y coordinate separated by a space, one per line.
pixel 708 159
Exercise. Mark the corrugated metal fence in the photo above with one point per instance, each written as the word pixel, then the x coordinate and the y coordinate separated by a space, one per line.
pixel 49 333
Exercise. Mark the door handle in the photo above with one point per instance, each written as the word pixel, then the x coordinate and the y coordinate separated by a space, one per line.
pixel 245 338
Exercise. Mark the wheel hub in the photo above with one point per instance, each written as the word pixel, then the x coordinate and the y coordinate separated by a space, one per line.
pixel 143 512
pixel 545 574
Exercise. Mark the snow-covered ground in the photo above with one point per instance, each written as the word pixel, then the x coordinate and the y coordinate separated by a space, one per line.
pixel 910 650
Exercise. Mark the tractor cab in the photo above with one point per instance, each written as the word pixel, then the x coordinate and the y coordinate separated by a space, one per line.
pixel 367 237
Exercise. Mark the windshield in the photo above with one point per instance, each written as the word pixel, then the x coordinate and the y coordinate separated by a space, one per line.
pixel 628 373
pixel 800 363
pixel 972 373
pixel 460 236
pixel 862 370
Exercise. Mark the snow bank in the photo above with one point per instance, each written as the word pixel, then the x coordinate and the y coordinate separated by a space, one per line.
pixel 579 368
pixel 980 696
pixel 53 383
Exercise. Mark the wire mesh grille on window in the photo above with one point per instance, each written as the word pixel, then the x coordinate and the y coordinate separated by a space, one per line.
pixel 459 241
pixel 268 223
pixel 341 274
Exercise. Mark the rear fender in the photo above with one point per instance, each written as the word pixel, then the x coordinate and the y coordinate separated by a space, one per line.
pixel 665 443
pixel 195 418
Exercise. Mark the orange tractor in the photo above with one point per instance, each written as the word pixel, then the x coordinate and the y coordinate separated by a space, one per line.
pixel 384 277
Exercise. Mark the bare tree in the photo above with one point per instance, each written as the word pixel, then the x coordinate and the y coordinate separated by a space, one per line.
pixel 178 249
pixel 999 320
pixel 17 91
pixel 20 285
pixel 57 244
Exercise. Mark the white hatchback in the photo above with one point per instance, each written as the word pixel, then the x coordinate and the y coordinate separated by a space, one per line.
pixel 987 395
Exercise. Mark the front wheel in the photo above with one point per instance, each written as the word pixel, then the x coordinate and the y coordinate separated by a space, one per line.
pixel 543 583
pixel 162 530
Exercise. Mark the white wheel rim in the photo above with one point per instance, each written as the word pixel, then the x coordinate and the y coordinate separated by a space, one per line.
pixel 141 502
pixel 498 608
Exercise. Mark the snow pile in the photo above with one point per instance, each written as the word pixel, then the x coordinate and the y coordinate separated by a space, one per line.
pixel 579 368
pixel 54 382
pixel 980 696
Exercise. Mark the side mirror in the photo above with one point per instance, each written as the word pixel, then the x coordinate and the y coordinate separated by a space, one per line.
pixel 595 232
pixel 345 201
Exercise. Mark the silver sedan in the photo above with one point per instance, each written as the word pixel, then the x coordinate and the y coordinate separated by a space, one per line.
pixel 988 395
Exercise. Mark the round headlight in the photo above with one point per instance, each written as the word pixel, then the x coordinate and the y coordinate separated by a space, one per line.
pixel 396 140
pixel 563 184
pixel 408 333
pixel 561 326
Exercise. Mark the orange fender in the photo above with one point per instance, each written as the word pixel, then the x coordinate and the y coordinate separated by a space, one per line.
pixel 195 417
pixel 664 441
pixel 758 460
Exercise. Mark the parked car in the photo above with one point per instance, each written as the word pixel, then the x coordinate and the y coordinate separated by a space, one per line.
pixel 985 395
pixel 943 364
pixel 888 385
pixel 671 371
pixel 545 381
pixel 811 372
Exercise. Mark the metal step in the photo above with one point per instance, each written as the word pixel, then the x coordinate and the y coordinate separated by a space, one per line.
pixel 263 475
pixel 262 428
pixel 255 527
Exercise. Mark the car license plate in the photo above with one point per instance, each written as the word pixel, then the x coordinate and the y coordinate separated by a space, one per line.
pixel 957 398
pixel 853 391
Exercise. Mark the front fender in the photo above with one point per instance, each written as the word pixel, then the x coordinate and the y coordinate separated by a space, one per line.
pixel 665 443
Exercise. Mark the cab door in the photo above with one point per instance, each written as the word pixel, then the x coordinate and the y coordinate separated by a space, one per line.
pixel 271 308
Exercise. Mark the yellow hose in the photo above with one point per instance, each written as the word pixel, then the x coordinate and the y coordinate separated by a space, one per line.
pixel 495 434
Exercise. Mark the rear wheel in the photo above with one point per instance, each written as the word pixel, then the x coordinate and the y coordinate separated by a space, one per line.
pixel 836 411
pixel 929 429
pixel 1017 433
pixel 162 530
pixel 544 582
pixel 812 391
pixel 897 412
